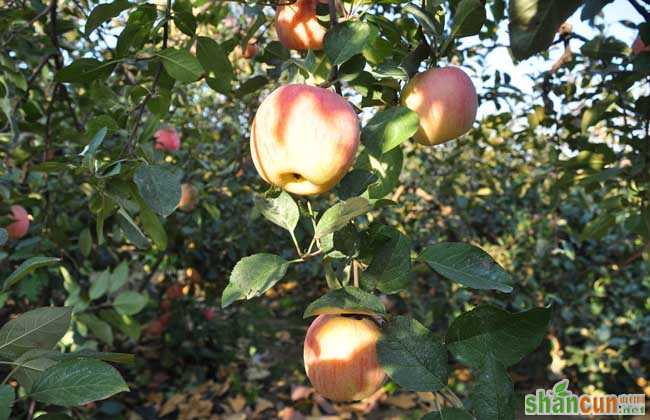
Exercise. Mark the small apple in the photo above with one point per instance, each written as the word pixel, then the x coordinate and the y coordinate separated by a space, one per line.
pixel 251 49
pixel 189 197
pixel 297 26
pixel 208 314
pixel 20 225
pixel 174 291
pixel 638 46
pixel 167 139
pixel 446 102
pixel 340 357
pixel 304 139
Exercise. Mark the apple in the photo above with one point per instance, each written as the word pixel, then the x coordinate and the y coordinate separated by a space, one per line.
pixel 189 197
pixel 175 291
pixel 446 102
pixel 251 49
pixel 340 357
pixel 167 139
pixel 638 46
pixel 208 314
pixel 304 139
pixel 20 225
pixel 297 26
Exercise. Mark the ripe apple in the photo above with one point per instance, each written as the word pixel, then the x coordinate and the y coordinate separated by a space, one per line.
pixel 20 225
pixel 167 139
pixel 446 102
pixel 208 314
pixel 638 46
pixel 304 139
pixel 340 357
pixel 251 49
pixel 189 197
pixel 297 26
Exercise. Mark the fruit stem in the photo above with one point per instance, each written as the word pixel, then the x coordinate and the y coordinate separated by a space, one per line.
pixel 355 273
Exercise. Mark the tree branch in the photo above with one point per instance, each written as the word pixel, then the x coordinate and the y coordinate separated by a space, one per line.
pixel 141 106
pixel 335 70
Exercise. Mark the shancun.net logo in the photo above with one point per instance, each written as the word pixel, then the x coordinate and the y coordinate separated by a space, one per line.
pixel 561 401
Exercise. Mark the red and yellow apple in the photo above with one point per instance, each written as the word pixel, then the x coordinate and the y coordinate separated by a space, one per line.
pixel 189 197
pixel 341 359
pixel 297 26
pixel 446 102
pixel 304 139
pixel 167 139
pixel 20 225
pixel 638 46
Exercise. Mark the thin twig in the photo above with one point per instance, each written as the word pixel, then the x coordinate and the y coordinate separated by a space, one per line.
pixel 141 106
pixel 28 25
pixel 355 273
pixel 334 74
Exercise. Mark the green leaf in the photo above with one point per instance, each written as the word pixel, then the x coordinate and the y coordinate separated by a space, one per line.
pixel 412 356
pixel 159 186
pixel 354 183
pixel 129 302
pixel 468 19
pixel 389 128
pixel 77 382
pixel 103 13
pixel 27 267
pixel 493 396
pixel 449 413
pixel 100 329
pixel 131 230
pixel 85 70
pixel 124 323
pixel 340 214
pixel 137 31
pixel 38 328
pixel 346 300
pixel 598 227
pixel 7 396
pixel 119 277
pixel 533 24
pixel 183 17
pixel 468 265
pixel 85 242
pixel 347 39
pixel 252 276
pixel 251 85
pixel 390 268
pixel 91 148
pixel 282 210
pixel 213 58
pixel 423 18
pixel 491 332
pixel 181 65
pixel 100 285
pixel 386 168
pixel 153 227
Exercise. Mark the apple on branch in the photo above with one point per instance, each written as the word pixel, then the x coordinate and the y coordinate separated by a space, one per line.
pixel 304 139
pixel 341 359
pixel 297 26
pixel 446 102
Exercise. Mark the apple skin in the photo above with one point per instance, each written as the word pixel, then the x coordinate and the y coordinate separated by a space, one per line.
pixel 446 102
pixel 297 26
pixel 341 359
pixel 167 139
pixel 638 46
pixel 304 139
pixel 189 198
pixel 20 226
pixel 251 49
